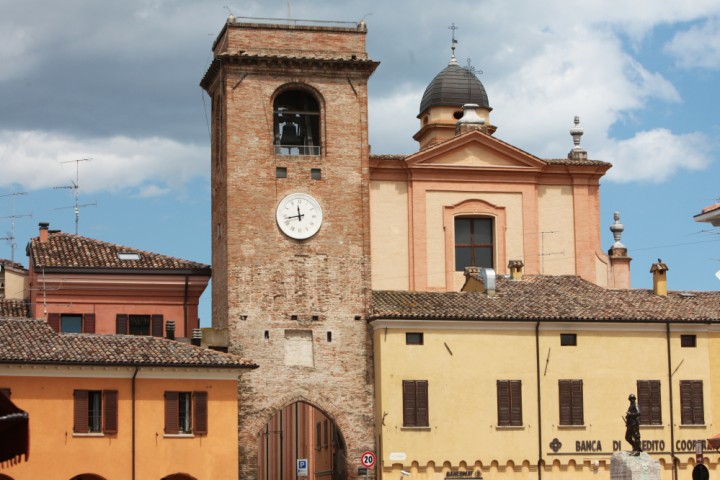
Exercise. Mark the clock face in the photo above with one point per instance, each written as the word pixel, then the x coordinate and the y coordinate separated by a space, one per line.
pixel 299 216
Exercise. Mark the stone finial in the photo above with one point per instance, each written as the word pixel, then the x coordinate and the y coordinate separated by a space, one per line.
pixel 577 153
pixel 617 229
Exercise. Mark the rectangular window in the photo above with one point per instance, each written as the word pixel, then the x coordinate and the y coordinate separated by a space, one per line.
pixel 571 402
pixel 315 174
pixel 692 410
pixel 688 341
pixel 186 413
pixel 509 403
pixel 139 324
pixel 414 338
pixel 415 403
pixel 70 323
pixel 95 411
pixel 473 243
pixel 649 402
pixel 318 436
pixel 568 339
pixel 281 172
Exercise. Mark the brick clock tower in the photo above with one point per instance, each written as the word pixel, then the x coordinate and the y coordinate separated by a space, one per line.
pixel 291 251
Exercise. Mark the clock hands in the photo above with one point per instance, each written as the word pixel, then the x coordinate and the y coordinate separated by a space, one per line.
pixel 299 215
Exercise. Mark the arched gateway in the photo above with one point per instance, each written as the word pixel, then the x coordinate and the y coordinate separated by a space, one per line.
pixel 291 240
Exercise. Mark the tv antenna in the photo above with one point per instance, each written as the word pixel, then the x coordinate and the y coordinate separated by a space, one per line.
pixel 11 238
pixel 76 188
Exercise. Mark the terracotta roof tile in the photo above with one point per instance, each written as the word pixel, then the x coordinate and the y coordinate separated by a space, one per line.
pixel 549 298
pixel 65 250
pixel 33 341
pixel 14 308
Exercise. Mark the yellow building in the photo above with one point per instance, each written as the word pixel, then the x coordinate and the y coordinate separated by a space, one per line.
pixel 120 406
pixel 531 379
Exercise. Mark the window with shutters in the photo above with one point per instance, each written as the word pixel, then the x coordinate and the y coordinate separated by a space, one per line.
pixel 139 324
pixel 72 322
pixel 692 411
pixel 571 402
pixel 415 403
pixel 186 413
pixel 95 411
pixel 649 402
pixel 509 403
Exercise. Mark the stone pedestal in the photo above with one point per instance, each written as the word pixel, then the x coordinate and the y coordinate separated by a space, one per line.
pixel 624 466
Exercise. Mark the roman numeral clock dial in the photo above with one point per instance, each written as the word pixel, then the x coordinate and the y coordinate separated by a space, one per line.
pixel 299 216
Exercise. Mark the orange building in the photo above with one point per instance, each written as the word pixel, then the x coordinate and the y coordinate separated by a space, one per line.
pixel 119 406
pixel 82 285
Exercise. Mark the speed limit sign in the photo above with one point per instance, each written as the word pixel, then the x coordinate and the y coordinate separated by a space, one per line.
pixel 368 459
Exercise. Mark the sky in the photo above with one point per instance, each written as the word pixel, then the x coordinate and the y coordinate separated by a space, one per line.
pixel 106 96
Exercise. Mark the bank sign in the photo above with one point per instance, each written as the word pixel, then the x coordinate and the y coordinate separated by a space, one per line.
pixel 650 446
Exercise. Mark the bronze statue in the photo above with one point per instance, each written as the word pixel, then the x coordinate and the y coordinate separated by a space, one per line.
pixel 632 426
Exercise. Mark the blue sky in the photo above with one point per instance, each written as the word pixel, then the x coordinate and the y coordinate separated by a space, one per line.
pixel 118 82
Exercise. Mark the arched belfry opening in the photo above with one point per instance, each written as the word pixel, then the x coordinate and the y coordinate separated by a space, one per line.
pixel 296 123
pixel 301 431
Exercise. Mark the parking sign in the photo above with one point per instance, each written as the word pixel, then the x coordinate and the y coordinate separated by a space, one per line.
pixel 302 467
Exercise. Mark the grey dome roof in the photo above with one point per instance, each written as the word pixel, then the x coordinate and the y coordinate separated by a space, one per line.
pixel 454 86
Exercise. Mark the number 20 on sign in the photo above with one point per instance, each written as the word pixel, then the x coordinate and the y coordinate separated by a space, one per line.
pixel 368 459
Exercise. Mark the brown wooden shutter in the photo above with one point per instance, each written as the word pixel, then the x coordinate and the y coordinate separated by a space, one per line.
pixel 577 403
pixel 565 394
pixel 171 413
pixel 649 402
pixel 88 323
pixel 409 416
pixel 121 323
pixel 80 412
pixel 515 403
pixel 503 403
pixel 697 403
pixel 54 321
pixel 200 413
pixel 422 403
pixel 686 409
pixel 156 322
pixel 110 411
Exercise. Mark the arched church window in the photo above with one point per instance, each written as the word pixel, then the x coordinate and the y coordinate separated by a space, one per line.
pixel 473 242
pixel 296 123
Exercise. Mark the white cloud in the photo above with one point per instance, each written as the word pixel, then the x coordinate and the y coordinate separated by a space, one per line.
pixel 34 160
pixel 699 46
pixel 655 155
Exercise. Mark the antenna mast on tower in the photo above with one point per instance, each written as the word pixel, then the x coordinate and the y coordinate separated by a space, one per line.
pixel 11 238
pixel 76 187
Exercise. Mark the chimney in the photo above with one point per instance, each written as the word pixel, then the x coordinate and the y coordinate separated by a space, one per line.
pixel 196 337
pixel 659 278
pixel 44 232
pixel 479 279
pixel 516 269
pixel 170 329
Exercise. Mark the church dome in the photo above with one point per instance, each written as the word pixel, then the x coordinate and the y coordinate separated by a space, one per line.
pixel 454 87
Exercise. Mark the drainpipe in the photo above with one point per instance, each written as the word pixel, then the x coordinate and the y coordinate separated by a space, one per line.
pixel 539 411
pixel 133 421
pixel 185 307
pixel 672 417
